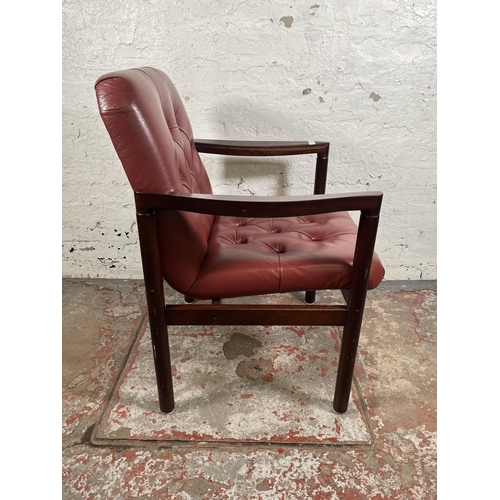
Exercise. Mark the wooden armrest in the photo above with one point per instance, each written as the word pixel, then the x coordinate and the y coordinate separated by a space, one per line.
pixel 272 148
pixel 260 206
pixel 259 148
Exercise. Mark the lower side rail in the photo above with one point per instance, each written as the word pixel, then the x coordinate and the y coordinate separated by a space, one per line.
pixel 236 314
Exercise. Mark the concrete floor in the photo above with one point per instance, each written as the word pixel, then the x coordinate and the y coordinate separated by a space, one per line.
pixel 396 382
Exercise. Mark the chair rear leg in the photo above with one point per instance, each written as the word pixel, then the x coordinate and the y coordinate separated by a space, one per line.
pixel 153 281
pixel 310 297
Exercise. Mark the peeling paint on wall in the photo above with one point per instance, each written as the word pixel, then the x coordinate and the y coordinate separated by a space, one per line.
pixel 287 21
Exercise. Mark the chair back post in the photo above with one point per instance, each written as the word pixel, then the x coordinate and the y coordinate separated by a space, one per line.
pixel 153 282
pixel 363 254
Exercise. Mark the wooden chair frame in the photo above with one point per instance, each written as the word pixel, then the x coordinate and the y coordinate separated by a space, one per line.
pixel 349 315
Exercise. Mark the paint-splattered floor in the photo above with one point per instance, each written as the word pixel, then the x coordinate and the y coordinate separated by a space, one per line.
pixel 396 381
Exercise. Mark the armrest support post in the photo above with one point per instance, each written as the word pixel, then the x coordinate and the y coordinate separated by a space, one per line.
pixel 321 171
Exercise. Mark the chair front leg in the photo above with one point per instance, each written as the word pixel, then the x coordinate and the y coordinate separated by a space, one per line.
pixel 347 359
pixel 355 298
pixel 153 281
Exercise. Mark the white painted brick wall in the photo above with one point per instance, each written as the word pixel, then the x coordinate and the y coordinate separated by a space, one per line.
pixel 361 75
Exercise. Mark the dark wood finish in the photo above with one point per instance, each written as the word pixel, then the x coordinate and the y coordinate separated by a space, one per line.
pixel 258 148
pixel 319 188
pixel 355 304
pixel 153 282
pixel 321 171
pixel 253 314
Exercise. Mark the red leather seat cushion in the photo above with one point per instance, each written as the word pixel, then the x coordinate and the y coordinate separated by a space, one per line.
pixel 260 256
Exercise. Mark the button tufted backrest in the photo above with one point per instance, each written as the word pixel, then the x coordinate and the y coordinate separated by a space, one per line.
pixel 152 135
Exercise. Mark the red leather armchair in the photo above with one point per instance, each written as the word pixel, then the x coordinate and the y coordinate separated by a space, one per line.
pixel 214 247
